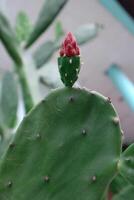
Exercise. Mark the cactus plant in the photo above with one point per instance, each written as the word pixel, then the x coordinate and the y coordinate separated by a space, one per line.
pixel 69 144
pixel 59 153
pixel 25 64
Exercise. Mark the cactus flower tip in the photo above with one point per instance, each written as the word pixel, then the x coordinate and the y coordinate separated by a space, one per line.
pixel 69 47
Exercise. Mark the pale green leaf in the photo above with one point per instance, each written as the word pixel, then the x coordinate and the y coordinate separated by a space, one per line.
pixel 48 13
pixel 9 40
pixel 9 100
pixel 86 32
pixel 59 32
pixel 44 53
pixel 23 26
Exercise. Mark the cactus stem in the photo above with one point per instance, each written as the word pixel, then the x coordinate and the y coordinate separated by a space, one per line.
pixel 46 179
pixel 26 93
pixel 116 120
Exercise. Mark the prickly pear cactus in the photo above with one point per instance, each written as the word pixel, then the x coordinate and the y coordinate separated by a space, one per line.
pixel 67 147
pixel 69 61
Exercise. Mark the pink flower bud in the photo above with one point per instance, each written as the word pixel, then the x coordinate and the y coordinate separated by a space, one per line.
pixel 66 42
pixel 71 37
pixel 69 47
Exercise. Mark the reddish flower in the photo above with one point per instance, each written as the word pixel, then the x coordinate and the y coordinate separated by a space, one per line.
pixel 69 47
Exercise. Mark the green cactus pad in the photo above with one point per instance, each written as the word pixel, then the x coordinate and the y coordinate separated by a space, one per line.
pixel 126 164
pixel 69 68
pixel 125 194
pixel 118 184
pixel 67 148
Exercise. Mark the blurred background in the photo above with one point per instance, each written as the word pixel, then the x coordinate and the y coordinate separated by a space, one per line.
pixel 114 44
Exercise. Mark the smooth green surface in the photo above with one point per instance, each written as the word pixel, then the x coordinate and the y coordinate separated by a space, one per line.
pixel 8 38
pixel 3 145
pixel 126 164
pixel 26 92
pixel 5 139
pixel 48 13
pixel 9 100
pixel 126 194
pixel 69 68
pixel 67 148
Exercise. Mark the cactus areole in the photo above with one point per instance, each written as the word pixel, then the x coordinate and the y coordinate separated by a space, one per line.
pixel 69 60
